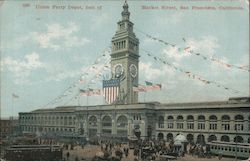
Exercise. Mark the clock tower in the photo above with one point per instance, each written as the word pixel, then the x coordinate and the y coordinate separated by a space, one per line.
pixel 125 58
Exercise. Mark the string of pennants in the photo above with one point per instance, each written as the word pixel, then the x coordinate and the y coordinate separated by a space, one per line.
pixel 188 50
pixel 189 73
pixel 148 87
pixel 141 88
pixel 93 68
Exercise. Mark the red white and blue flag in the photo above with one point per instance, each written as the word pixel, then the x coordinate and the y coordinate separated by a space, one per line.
pixel 111 90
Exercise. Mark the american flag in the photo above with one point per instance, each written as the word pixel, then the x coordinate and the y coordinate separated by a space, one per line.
pixel 111 90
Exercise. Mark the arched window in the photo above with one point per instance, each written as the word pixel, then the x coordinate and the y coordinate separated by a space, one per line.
pixel 106 121
pixel 122 121
pixel 179 122
pixel 190 138
pixel 225 138
pixel 201 122
pixel 170 121
pixel 200 139
pixel 238 139
pixel 239 123
pixel 190 122
pixel 212 122
pixel 169 137
pixel 212 138
pixel 161 122
pixel 225 122
pixel 93 121
pixel 160 136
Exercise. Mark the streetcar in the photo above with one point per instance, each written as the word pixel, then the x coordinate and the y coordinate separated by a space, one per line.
pixel 33 153
pixel 231 149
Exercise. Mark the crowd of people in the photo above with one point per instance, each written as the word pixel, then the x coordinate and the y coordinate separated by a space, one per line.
pixel 148 150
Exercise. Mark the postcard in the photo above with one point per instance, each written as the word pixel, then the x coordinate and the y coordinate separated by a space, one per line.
pixel 124 80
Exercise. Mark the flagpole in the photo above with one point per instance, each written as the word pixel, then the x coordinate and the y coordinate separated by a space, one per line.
pixel 12 113
pixel 79 100
pixel 88 95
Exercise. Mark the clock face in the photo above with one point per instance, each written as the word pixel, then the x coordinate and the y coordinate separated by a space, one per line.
pixel 118 70
pixel 133 70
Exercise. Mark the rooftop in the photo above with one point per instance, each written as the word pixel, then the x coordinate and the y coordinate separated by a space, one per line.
pixel 241 102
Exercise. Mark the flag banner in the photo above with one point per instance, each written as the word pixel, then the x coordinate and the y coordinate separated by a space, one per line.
pixel 14 95
pixel 111 90
pixel 192 75
pixel 188 50
pixel 90 92
pixel 139 89
pixel 147 88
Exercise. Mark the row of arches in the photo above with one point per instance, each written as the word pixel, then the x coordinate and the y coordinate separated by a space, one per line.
pixel 106 121
pixel 201 138
pixel 202 118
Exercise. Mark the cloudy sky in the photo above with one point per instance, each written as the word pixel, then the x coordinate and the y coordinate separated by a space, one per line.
pixel 48 54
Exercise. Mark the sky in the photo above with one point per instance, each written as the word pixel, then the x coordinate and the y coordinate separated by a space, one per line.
pixel 47 55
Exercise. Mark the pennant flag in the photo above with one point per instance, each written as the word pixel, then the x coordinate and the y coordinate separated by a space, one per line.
pixel 111 90
pixel 14 95
pixel 90 92
pixel 157 87
pixel 139 89
pixel 186 49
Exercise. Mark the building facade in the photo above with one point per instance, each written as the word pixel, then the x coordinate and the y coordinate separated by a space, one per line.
pixel 199 122
pixel 8 127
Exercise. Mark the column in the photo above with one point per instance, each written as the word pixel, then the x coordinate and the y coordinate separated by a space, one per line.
pixel 99 125
pixel 114 125
pixel 130 128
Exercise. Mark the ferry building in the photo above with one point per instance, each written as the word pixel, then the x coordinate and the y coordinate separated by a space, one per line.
pixel 200 122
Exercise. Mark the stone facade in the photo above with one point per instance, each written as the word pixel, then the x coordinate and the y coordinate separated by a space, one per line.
pixel 199 122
